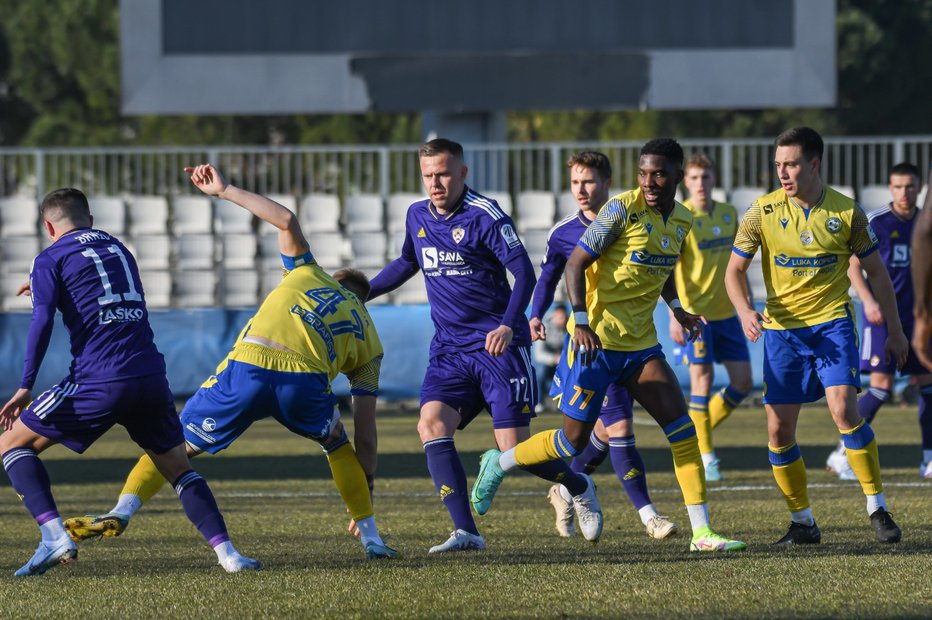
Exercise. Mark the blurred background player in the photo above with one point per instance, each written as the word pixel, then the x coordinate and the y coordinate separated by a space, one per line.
pixel 808 232
pixel 117 376
pixel 700 282
pixel 893 224
pixel 547 352
pixel 590 181
pixel 614 275
pixel 480 354
pixel 309 328
pixel 922 282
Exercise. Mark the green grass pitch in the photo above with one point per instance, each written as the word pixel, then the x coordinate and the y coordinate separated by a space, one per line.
pixel 281 507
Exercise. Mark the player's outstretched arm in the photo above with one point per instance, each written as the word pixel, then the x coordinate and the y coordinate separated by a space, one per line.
pixel 896 346
pixel 291 239
pixel 871 307
pixel 922 281
pixel 736 284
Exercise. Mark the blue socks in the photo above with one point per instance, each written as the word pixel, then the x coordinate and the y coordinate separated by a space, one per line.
pixel 446 470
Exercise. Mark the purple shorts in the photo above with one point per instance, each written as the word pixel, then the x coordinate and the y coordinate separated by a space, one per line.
pixel 77 415
pixel 873 358
pixel 470 381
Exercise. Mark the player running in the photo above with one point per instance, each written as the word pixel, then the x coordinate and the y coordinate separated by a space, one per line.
pixel 309 328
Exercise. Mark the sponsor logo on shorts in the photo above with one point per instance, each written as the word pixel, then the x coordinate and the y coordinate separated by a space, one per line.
pixel 196 430
pixel 120 315
pixel 209 425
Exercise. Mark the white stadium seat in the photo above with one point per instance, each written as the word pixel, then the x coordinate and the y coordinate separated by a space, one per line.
pixel 19 217
pixel 286 200
pixel 364 213
pixel 239 251
pixel 9 284
pixel 231 218
pixel 329 249
pixel 368 249
pixel 192 215
pixel 503 199
pixel 719 195
pixel 152 251
pixel 195 288
pixel 320 213
pixel 566 204
pixel 239 288
pixel 535 242
pixel 269 279
pixel 535 210
pixel 195 251
pixel 743 197
pixel 412 291
pixel 398 209
pixel 157 288
pixel 845 190
pixel 872 197
pixel 148 215
pixel 109 214
pixel 378 301
pixel 18 253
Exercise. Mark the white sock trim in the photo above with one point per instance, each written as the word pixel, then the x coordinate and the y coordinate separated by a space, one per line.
pixel 803 516
pixel 698 515
pixel 646 513
pixel 875 502
pixel 127 505
pixel 507 460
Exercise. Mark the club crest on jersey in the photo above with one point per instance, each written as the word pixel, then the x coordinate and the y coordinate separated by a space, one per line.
pixel 716 230
pixel 681 234
pixel 805 237
pixel 726 218
pixel 510 236
pixel 875 360
pixel 665 242
pixel 458 233
pixel 833 224
pixel 784 222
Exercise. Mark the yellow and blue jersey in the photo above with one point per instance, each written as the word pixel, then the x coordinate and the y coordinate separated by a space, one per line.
pixel 636 249
pixel 700 272
pixel 325 327
pixel 804 255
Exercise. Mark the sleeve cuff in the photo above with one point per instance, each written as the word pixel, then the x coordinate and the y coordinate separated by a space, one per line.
pixel 591 252
pixel 870 251
pixel 741 252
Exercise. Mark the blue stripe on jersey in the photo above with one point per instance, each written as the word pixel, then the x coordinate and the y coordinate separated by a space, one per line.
pixel 741 253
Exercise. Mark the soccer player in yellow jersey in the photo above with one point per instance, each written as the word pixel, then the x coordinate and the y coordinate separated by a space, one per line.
pixel 613 277
pixel 700 281
pixel 309 328
pixel 807 233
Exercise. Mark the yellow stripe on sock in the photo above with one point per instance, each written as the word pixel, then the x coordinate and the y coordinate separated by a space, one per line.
pixel 144 480
pixel 351 481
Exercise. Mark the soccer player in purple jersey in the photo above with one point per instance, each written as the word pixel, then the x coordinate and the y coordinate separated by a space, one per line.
pixel 893 224
pixel 480 353
pixel 590 180
pixel 117 376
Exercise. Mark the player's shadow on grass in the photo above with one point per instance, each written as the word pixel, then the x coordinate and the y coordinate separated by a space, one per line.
pixel 404 465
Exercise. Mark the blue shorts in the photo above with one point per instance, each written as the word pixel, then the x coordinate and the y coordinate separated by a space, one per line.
pixel 243 393
pixel 800 363
pixel 77 415
pixel 584 388
pixel 721 341
pixel 873 357
pixel 617 403
pixel 470 381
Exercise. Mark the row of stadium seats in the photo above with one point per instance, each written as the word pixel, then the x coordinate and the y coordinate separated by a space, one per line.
pixel 154 215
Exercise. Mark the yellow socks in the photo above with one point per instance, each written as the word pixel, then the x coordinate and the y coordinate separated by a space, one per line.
pixel 789 471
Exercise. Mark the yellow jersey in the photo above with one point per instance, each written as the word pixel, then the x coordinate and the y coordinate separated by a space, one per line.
pixel 636 249
pixel 804 255
pixel 324 324
pixel 700 272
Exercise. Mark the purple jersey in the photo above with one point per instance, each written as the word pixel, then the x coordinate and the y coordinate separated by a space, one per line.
pixel 894 234
pixel 560 243
pixel 92 278
pixel 463 255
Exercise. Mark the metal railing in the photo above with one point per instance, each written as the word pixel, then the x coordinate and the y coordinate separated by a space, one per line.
pixel 386 169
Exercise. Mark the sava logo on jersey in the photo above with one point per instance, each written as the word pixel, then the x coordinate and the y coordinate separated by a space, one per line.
pixel 120 315
pixel 438 262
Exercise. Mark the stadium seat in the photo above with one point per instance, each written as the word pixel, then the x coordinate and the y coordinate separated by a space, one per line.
pixel 195 252
pixel 411 292
pixel 18 253
pixel 231 218
pixel 872 197
pixel 10 284
pixel 19 217
pixel 535 210
pixel 743 197
pixel 270 277
pixel 398 209
pixel 364 213
pixel 503 199
pixel 239 251
pixel 329 249
pixel 157 288
pixel 395 242
pixel 109 214
pixel 368 249
pixel 719 195
pixel 845 190
pixel 566 204
pixel 192 215
pixel 286 200
pixel 320 213
pixel 195 288
pixel 148 215
pixel 240 288
pixel 152 251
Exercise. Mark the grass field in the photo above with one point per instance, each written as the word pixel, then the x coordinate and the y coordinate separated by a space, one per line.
pixel 282 507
